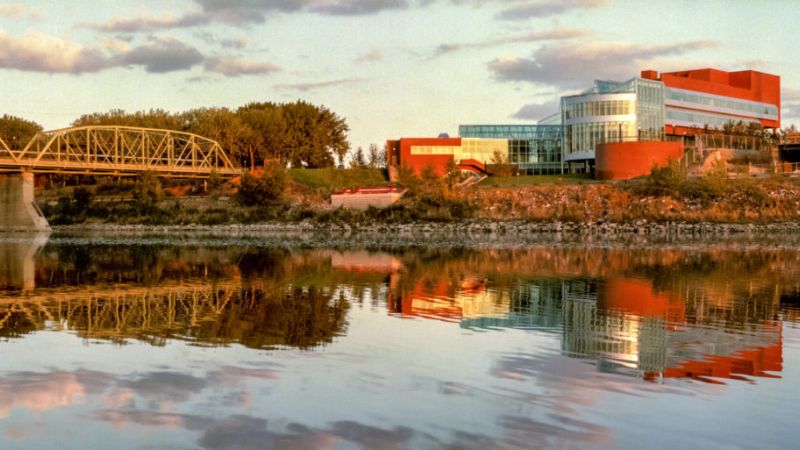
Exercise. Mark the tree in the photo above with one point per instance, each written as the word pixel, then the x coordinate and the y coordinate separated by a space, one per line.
pixel 17 132
pixel 500 165
pixel 154 118
pixel 358 159
pixel 299 133
pixel 374 158
pixel 221 125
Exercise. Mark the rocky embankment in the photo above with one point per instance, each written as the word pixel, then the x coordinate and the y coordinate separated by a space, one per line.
pixel 473 233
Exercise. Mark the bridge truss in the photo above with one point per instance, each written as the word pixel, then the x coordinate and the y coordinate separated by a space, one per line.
pixel 119 151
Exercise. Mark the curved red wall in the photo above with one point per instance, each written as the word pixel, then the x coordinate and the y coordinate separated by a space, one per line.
pixel 625 160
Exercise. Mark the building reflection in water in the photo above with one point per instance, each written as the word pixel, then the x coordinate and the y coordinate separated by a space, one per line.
pixel 650 313
pixel 693 327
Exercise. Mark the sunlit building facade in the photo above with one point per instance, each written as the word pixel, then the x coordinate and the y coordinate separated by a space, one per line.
pixel 534 149
pixel 610 112
pixel 636 123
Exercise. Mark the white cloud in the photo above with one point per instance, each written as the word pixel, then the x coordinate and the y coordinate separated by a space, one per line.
pixel 37 52
pixel 555 34
pixel 305 87
pixel 537 111
pixel 147 23
pixel 574 64
pixel 234 67
pixel 522 10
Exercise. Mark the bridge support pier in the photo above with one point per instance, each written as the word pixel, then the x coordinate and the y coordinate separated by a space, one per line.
pixel 18 210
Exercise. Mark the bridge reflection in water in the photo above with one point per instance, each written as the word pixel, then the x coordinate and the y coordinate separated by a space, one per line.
pixel 647 313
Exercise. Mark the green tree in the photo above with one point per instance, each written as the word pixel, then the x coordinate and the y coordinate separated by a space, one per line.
pixel 267 189
pixel 221 125
pixel 374 156
pixel 17 132
pixel 154 118
pixel 358 159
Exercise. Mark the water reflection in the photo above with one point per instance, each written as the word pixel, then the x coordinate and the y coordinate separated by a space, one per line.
pixel 660 313
pixel 516 345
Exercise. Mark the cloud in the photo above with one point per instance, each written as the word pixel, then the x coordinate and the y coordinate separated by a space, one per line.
pixel 372 55
pixel 162 55
pixel 571 65
pixel 236 42
pixel 357 7
pixel 234 67
pixel 166 386
pixel 256 11
pixel 305 87
pixel 790 105
pixel 147 23
pixel 37 52
pixel 18 11
pixel 523 10
pixel 242 12
pixel 537 111
pixel 556 34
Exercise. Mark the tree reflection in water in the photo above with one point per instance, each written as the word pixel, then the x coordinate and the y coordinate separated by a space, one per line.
pixel 708 312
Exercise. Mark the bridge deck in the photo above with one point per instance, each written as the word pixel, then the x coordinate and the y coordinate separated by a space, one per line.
pixel 9 165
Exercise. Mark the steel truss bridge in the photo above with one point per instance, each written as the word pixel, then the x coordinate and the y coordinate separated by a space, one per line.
pixel 118 151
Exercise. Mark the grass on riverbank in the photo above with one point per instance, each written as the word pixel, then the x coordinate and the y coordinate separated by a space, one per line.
pixel 534 180
pixel 329 180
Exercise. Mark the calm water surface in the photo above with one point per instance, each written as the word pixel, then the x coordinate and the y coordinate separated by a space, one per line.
pixel 213 346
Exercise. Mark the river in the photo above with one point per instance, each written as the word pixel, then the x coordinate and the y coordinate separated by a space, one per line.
pixel 210 343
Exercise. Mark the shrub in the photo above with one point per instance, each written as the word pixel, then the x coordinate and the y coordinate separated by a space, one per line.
pixel 500 166
pixel 667 180
pixel 147 193
pixel 711 186
pixel 215 184
pixel 267 189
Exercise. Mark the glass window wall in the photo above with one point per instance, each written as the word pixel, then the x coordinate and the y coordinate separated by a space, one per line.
pixel 534 149
pixel 759 109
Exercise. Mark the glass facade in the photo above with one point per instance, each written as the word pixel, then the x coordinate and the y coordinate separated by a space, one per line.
pixel 649 109
pixel 744 107
pixel 536 149
pixel 699 120
pixel 599 108
pixel 612 112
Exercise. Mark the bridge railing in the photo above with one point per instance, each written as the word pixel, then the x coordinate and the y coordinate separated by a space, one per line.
pixel 115 148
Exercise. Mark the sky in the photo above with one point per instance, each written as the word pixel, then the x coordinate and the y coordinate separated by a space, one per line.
pixel 391 68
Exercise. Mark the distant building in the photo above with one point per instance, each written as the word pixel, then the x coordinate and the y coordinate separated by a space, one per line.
pixel 616 129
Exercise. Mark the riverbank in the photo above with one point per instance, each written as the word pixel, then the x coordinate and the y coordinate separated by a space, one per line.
pixel 472 233
pixel 657 204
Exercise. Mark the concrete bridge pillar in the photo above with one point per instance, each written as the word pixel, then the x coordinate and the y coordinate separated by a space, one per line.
pixel 18 260
pixel 18 210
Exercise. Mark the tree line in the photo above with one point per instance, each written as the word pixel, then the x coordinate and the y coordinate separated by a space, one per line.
pixel 298 133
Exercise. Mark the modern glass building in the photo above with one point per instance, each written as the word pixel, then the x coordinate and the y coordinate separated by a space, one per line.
pixel 535 149
pixel 610 112
pixel 634 117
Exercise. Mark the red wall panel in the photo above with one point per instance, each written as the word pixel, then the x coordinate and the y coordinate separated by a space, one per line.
pixel 625 160
pixel 418 163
